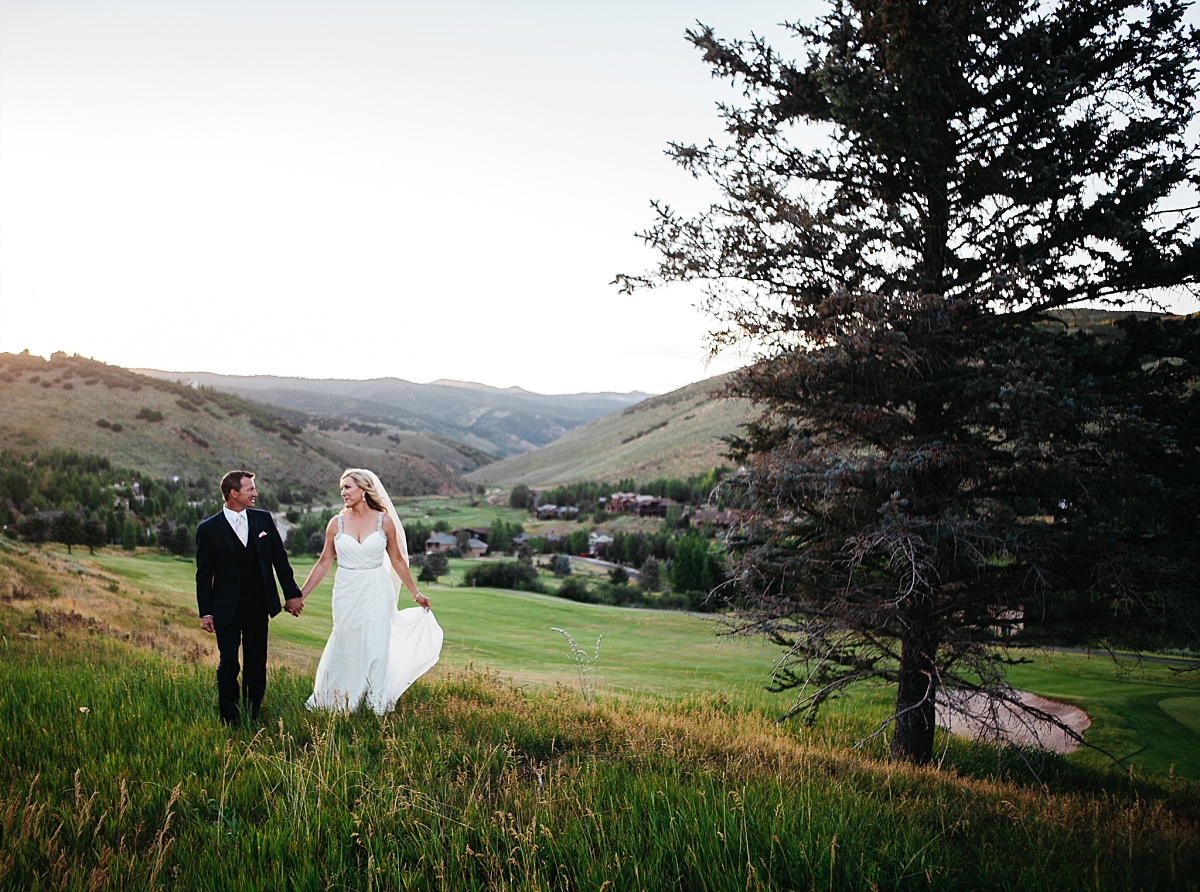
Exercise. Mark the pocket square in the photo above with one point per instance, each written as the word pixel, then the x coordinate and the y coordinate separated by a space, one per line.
pixel 263 533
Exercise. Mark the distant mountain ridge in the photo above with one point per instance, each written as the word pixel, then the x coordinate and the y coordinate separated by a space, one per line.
pixel 497 422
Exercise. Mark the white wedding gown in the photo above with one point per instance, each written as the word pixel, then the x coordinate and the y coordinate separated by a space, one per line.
pixel 375 651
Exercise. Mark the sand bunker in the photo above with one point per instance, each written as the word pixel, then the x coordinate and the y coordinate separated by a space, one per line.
pixel 979 718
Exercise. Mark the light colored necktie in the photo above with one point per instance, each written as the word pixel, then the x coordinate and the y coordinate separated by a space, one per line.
pixel 240 527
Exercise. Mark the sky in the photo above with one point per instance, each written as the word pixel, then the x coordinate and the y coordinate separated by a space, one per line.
pixel 421 189
pixel 355 189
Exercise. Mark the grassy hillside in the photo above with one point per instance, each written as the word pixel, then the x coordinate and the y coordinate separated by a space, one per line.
pixel 1148 714
pixel 168 429
pixel 114 773
pixel 673 435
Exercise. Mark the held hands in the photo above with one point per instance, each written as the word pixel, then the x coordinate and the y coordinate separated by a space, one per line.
pixel 294 606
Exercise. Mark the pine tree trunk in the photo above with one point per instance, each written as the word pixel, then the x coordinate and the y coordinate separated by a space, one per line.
pixel 916 706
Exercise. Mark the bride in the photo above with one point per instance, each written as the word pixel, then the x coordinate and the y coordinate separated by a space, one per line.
pixel 375 651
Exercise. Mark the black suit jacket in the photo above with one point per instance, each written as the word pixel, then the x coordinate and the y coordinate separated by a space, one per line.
pixel 219 565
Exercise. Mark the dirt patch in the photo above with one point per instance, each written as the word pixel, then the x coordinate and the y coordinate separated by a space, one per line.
pixel 978 717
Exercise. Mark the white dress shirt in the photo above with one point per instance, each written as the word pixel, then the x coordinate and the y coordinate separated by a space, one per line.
pixel 242 528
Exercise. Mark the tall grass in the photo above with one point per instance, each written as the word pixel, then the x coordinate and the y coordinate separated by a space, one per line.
pixel 1145 713
pixel 115 774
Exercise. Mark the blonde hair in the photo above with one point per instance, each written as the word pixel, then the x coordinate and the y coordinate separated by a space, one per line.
pixel 368 483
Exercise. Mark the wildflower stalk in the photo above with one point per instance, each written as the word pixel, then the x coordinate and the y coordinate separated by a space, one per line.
pixel 584 664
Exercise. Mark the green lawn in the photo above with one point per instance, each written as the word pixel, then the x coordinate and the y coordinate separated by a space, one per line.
pixel 511 633
pixel 456 512
pixel 1147 714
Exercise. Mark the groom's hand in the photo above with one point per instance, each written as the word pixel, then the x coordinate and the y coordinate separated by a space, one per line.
pixel 294 606
pixel 206 623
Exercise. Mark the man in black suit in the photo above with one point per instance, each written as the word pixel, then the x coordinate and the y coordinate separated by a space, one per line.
pixel 236 550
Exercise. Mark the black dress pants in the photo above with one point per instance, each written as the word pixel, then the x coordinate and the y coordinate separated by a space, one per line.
pixel 247 632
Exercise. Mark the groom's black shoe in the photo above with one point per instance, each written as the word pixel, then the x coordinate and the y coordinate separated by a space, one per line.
pixel 229 714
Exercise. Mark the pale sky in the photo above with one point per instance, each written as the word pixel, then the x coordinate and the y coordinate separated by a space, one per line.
pixel 419 188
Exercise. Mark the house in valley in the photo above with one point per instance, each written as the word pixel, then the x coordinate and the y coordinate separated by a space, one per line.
pixel 440 542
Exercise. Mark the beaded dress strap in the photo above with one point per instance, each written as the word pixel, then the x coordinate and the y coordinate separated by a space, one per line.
pixel 379 522
pixel 340 530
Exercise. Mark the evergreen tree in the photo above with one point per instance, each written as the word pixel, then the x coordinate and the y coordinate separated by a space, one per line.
pixel 94 534
pixel 165 533
pixel 113 525
pixel 67 528
pixel 129 534
pixel 648 576
pixel 521 497
pixel 436 564
pixel 415 534
pixel 938 447
pixel 181 541
pixel 691 569
pixel 34 528
pixel 618 548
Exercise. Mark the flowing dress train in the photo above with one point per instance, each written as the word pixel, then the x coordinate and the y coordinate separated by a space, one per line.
pixel 375 651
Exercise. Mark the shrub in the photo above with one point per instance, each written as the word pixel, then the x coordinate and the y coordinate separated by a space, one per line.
pixel 627 595
pixel 504 574
pixel 673 601
pixel 185 434
pixel 575 589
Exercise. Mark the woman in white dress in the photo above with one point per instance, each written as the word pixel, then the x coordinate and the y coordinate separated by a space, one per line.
pixel 375 651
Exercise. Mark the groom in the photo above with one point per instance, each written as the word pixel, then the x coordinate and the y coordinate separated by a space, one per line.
pixel 236 550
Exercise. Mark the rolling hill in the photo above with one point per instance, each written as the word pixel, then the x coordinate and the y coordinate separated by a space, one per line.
pixel 676 434
pixel 196 431
pixel 492 421
pixel 169 429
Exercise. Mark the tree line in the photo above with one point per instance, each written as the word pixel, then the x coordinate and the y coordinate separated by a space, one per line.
pixel 590 495
pixel 75 498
